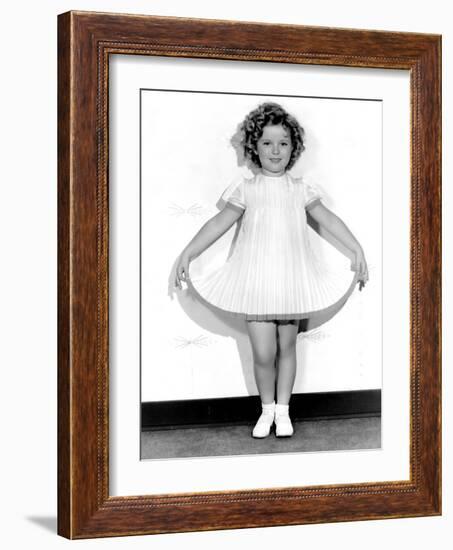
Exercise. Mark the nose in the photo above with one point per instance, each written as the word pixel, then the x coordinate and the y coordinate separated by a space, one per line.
pixel 275 149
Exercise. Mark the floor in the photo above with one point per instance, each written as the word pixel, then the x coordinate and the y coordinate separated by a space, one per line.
pixel 309 436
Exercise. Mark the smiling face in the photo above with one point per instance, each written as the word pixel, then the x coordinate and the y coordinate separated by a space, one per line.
pixel 274 150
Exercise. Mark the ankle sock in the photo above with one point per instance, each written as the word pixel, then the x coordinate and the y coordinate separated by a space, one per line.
pixel 281 409
pixel 268 407
pixel 265 421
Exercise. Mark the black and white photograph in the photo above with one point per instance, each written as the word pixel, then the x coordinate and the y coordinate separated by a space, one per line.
pixel 261 248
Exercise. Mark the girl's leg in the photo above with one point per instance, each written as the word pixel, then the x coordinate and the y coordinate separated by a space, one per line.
pixel 263 338
pixel 286 363
pixel 286 373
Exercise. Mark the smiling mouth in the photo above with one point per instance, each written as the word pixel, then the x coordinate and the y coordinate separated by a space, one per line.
pixel 275 160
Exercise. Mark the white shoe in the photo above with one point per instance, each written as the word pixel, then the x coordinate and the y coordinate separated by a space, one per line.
pixel 283 426
pixel 263 426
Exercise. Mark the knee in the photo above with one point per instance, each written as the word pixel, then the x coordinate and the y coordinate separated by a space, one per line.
pixel 265 356
pixel 287 348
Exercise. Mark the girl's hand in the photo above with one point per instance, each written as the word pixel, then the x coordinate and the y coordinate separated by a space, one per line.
pixel 361 267
pixel 182 270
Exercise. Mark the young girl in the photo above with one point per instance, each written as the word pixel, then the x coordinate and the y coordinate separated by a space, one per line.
pixel 272 278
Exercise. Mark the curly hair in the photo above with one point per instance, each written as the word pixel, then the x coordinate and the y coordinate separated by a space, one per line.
pixel 270 113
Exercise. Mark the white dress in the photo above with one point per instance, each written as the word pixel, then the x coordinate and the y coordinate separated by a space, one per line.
pixel 272 272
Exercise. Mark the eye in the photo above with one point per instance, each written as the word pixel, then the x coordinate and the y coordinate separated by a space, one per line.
pixel 284 144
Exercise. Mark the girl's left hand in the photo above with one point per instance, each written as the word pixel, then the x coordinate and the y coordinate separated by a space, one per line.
pixel 361 267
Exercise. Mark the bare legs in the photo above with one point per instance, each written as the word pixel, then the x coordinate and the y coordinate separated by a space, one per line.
pixel 264 346
pixel 271 340
pixel 286 362
pixel 274 360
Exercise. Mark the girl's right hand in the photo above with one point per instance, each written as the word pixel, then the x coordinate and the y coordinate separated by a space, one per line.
pixel 182 270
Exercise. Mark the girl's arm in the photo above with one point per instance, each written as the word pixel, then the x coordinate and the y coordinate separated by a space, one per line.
pixel 212 230
pixel 332 223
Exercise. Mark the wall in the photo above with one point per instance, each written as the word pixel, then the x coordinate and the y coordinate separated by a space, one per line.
pixel 28 275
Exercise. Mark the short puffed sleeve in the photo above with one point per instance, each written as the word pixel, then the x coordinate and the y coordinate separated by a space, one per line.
pixel 313 194
pixel 234 196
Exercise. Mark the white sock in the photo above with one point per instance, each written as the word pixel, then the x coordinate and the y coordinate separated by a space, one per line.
pixel 283 426
pixel 268 407
pixel 281 409
pixel 265 421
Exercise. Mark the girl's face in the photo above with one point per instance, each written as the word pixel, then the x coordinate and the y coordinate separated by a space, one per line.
pixel 274 150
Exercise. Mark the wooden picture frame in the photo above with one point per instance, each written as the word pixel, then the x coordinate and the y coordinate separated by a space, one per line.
pixel 85 42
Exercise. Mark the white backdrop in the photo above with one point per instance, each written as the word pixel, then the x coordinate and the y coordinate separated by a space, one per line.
pixel 190 163
pixel 28 229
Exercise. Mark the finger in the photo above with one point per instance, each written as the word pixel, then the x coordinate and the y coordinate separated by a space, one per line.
pixel 179 277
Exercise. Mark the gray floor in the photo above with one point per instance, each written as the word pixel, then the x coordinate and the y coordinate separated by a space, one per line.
pixel 309 436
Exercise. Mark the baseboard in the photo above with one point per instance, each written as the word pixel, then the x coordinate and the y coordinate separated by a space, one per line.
pixel 158 415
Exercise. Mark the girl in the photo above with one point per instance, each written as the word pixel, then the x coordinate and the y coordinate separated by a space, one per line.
pixel 272 277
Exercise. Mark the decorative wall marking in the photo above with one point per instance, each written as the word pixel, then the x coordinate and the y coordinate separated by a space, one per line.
pixel 201 341
pixel 194 210
pixel 315 335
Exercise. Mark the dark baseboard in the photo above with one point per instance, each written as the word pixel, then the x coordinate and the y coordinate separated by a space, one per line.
pixel 159 415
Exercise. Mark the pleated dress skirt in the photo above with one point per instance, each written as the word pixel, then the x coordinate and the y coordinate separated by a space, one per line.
pixel 273 272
